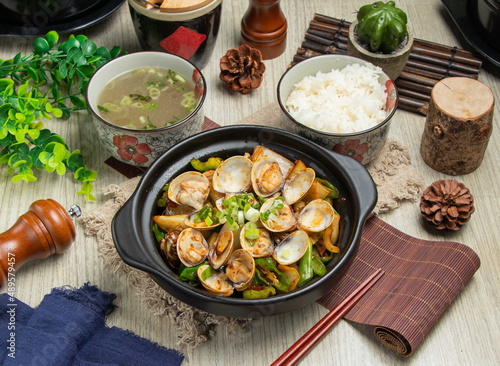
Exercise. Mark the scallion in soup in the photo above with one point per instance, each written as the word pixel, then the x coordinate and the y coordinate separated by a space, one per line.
pixel 147 98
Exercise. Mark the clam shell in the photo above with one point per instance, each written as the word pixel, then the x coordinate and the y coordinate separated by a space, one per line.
pixel 316 216
pixel 217 283
pixel 221 248
pixel 292 248
pixel 192 248
pixel 286 218
pixel 194 196
pixel 262 247
pixel 240 269
pixel 259 179
pixel 297 186
pixel 233 175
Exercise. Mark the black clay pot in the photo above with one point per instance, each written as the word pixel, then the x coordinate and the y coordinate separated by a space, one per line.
pixel 136 245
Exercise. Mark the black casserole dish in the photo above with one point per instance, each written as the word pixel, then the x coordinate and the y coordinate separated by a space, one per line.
pixel 135 243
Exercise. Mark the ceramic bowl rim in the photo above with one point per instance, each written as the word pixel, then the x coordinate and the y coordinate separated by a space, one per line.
pixel 331 134
pixel 153 130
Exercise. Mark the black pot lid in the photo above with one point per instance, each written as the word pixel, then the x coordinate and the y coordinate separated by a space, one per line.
pixel 12 23
pixel 461 13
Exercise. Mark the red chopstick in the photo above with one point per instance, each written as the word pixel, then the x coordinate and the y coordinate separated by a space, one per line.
pixel 318 331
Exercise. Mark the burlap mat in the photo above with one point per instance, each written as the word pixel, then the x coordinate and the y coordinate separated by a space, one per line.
pixel 392 172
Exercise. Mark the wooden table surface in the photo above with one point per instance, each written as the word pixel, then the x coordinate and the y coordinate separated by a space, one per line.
pixel 465 335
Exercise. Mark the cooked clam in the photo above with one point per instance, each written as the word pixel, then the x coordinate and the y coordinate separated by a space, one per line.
pixel 168 246
pixel 240 269
pixel 221 247
pixel 189 189
pixel 263 246
pixel 285 165
pixel 214 282
pixel 282 219
pixel 316 216
pixel 233 175
pixel 192 248
pixel 298 185
pixel 292 248
pixel 267 177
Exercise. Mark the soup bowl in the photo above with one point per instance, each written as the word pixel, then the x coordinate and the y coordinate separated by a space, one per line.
pixel 140 147
pixel 364 145
pixel 135 242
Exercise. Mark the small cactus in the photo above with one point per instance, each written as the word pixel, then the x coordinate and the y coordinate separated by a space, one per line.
pixel 382 26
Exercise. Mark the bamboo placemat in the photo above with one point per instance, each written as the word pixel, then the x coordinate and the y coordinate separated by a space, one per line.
pixel 429 62
pixel 421 280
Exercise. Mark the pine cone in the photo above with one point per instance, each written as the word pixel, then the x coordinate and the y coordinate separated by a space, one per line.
pixel 447 204
pixel 242 68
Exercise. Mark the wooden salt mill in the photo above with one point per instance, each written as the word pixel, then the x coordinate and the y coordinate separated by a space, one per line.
pixel 458 125
pixel 44 230
pixel 264 27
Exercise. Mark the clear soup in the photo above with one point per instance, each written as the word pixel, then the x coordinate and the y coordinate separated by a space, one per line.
pixel 147 98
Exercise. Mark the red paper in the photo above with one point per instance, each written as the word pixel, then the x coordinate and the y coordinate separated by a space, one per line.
pixel 183 42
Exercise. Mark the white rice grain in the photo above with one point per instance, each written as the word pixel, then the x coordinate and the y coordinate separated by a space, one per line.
pixel 340 101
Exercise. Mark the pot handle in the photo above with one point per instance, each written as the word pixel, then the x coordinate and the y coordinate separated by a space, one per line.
pixel 362 183
pixel 125 238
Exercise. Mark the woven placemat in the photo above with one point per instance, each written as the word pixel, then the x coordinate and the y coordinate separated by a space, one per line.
pixel 401 329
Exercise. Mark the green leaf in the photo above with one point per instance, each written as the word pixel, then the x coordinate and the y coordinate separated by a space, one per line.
pixel 61 169
pixel 104 53
pixel 40 46
pixel 52 38
pixel 33 74
pixel 6 85
pixel 75 161
pixel 56 112
pixel 22 91
pixel 78 102
pixel 63 70
pixel 89 48
pixel 115 51
pixel 70 43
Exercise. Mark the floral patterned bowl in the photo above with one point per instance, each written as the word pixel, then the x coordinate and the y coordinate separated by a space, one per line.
pixel 364 146
pixel 142 147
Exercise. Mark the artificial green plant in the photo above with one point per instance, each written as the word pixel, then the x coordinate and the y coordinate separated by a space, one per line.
pixel 50 82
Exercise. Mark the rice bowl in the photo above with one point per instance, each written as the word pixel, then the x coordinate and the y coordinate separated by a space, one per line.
pixel 361 142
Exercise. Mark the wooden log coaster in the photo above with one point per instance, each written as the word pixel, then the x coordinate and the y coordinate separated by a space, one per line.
pixel 458 125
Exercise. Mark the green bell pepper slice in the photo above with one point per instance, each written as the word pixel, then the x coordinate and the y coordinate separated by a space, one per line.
pixel 267 272
pixel 318 266
pixel 306 271
pixel 259 294
pixel 159 235
pixel 211 163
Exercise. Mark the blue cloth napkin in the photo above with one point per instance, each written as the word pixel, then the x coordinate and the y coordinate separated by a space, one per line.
pixel 69 328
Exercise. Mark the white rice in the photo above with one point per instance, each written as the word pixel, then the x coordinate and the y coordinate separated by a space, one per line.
pixel 340 101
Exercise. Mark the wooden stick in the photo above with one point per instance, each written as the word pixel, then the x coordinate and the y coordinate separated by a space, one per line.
pixel 468 60
pixel 410 85
pixel 329 20
pixel 445 63
pixel 413 105
pixel 413 94
pixel 333 29
pixel 342 48
pixel 417 78
pixel 318 331
pixel 437 69
pixel 321 40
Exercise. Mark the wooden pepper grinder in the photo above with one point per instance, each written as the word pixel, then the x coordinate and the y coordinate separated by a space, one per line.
pixel 264 27
pixel 44 230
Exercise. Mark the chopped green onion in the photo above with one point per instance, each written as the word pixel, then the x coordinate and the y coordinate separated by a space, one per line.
pixel 162 202
pixel 126 100
pixel 103 109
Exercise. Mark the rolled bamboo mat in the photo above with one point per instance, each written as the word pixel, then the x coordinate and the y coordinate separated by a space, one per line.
pixel 422 278
pixel 429 62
